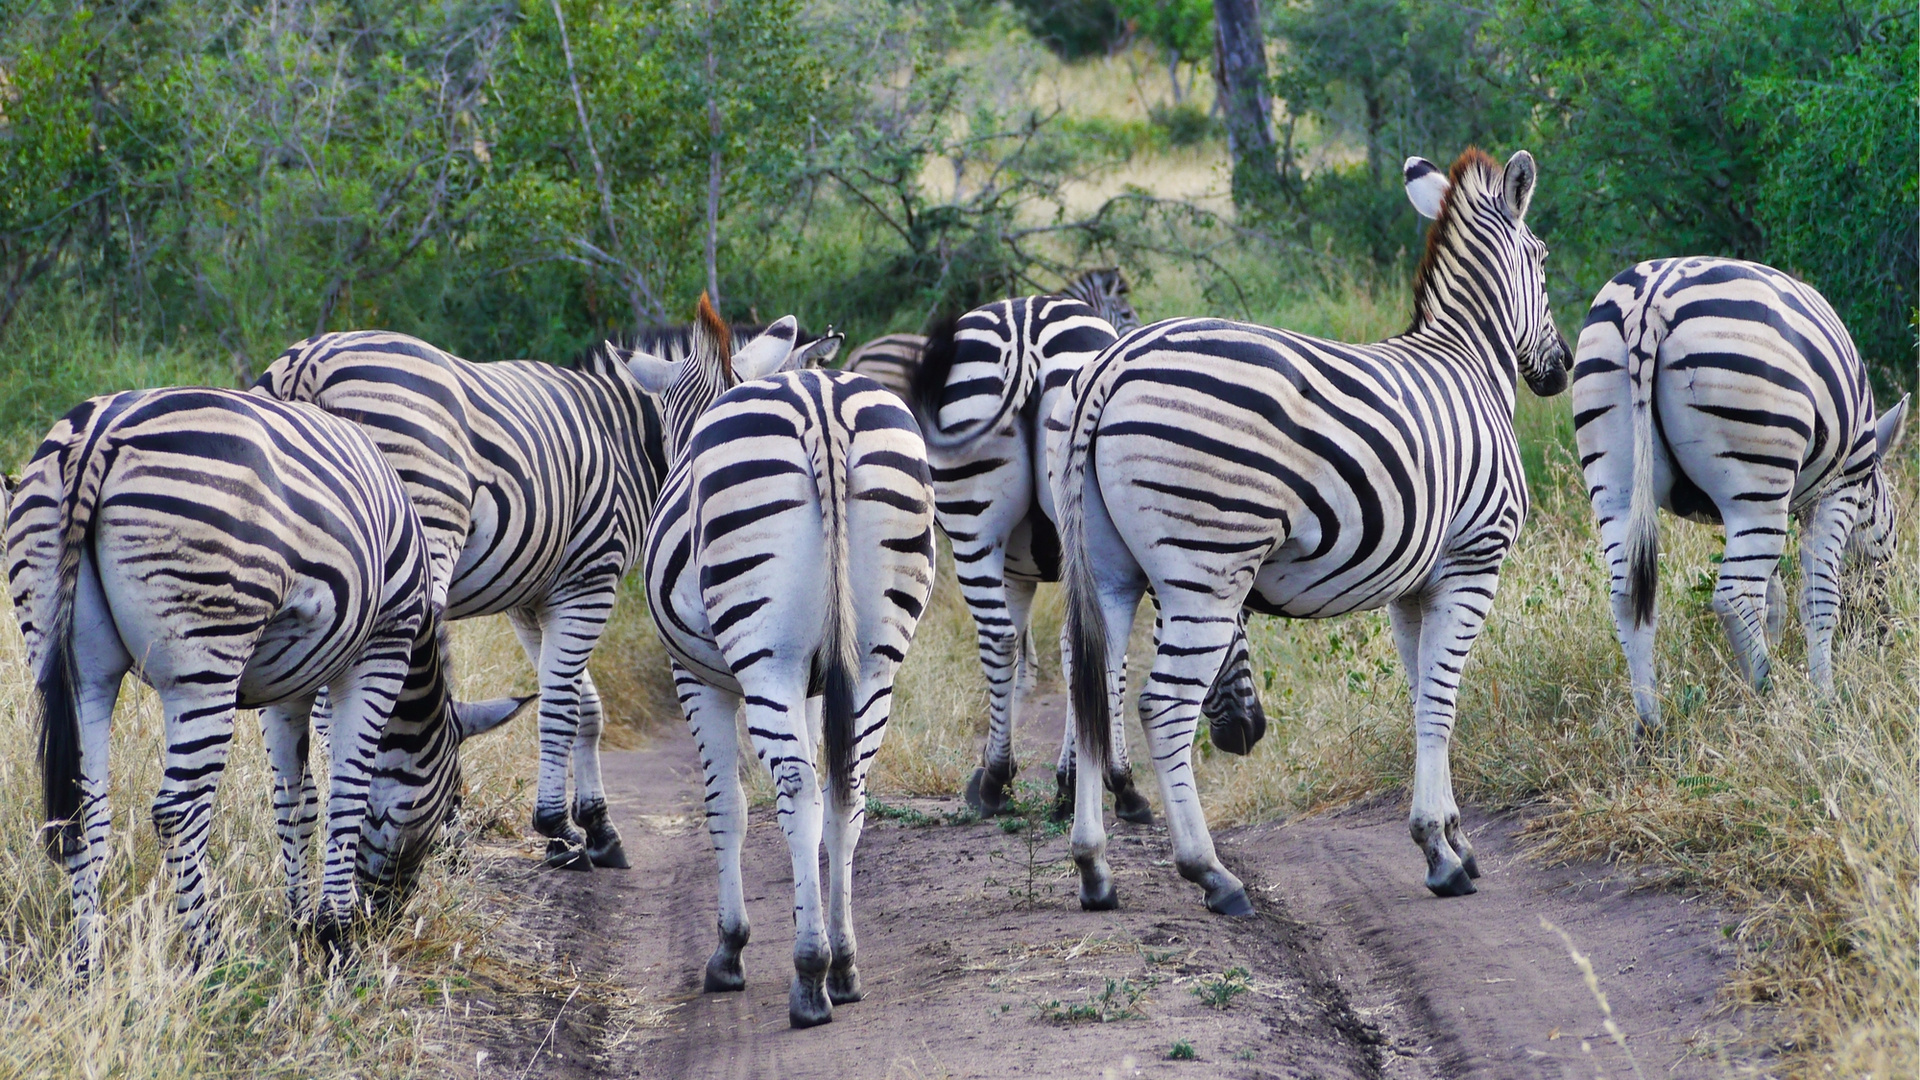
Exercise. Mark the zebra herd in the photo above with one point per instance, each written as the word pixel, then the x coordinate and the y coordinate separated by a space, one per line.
pixel 300 548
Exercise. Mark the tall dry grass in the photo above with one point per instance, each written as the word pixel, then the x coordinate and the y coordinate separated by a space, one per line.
pixel 265 1010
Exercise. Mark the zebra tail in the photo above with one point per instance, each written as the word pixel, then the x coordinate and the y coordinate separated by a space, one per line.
pixel 1643 516
pixel 1086 628
pixel 56 683
pixel 928 391
pixel 839 651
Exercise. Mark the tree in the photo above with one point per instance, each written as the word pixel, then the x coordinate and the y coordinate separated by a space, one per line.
pixel 1182 28
pixel 1240 71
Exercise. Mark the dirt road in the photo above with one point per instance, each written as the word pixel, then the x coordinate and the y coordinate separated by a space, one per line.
pixel 978 962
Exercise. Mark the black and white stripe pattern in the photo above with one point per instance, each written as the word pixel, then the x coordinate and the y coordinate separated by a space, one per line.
pixel 1222 466
pixel 235 552
pixel 1729 393
pixel 891 359
pixel 984 385
pixel 534 484
pixel 787 568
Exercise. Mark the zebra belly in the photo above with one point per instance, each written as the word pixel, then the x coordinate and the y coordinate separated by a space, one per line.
pixel 1302 589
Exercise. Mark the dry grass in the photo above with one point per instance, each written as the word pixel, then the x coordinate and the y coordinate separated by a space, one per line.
pixel 264 1012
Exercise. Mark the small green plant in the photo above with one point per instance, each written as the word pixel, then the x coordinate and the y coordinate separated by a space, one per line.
pixel 1182 1051
pixel 1218 991
pixel 1028 821
pixel 1120 1000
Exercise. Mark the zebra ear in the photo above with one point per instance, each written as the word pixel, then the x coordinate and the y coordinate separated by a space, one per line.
pixel 1892 425
pixel 766 354
pixel 653 373
pixel 474 717
pixel 1426 186
pixel 816 352
pixel 1518 183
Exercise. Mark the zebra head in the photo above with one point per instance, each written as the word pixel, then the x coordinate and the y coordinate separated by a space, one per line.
pixel 1106 291
pixel 1873 534
pixel 417 780
pixel 1479 214
pixel 687 386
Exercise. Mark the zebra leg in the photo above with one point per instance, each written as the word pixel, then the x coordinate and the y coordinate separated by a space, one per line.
pixel 296 801
pixel 1405 616
pixel 1777 607
pixel 1756 536
pixel 1822 544
pixel 1194 640
pixel 711 714
pixel 362 701
pixel 844 823
pixel 566 845
pixel 777 723
pixel 102 661
pixel 1611 501
pixel 1000 609
pixel 589 794
pixel 1449 621
pixel 199 733
pixel 1128 803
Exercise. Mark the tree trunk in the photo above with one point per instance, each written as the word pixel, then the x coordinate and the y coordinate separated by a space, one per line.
pixel 1240 69
pixel 1173 71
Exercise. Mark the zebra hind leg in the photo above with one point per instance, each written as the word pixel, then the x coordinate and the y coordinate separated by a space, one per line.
pixel 1755 540
pixel 711 715
pixel 199 733
pixel 1000 615
pixel 1128 803
pixel 777 721
pixel 296 801
pixel 566 845
pixel 589 796
pixel 1822 544
pixel 101 661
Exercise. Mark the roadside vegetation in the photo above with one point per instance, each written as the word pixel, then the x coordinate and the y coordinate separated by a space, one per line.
pixel 188 187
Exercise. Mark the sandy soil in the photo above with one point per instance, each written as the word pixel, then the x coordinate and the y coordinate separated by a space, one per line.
pixel 977 961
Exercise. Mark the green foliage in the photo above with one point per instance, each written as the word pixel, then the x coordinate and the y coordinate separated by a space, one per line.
pixel 1074 28
pixel 1182 1051
pixel 1219 991
pixel 1120 1000
pixel 1839 184
pixel 1185 27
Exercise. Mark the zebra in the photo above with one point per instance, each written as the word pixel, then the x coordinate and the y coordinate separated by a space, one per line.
pixel 891 359
pixel 1729 393
pixel 983 384
pixel 534 484
pixel 235 552
pixel 788 491
pixel 1228 466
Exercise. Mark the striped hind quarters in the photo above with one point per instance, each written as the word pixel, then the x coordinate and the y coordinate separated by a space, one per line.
pixel 1729 393
pixel 235 552
pixel 1231 468
pixel 787 568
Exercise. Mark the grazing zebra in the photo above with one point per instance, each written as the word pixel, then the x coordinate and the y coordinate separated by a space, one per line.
pixel 983 384
pixel 1224 466
pixel 891 359
pixel 787 567
pixel 534 484
pixel 235 552
pixel 1729 393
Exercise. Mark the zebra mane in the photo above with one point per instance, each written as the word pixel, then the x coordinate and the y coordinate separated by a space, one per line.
pixel 1474 169
pixel 666 342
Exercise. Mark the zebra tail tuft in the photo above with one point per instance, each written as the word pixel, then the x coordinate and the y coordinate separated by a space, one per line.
pixel 1086 627
pixel 1643 516
pixel 56 683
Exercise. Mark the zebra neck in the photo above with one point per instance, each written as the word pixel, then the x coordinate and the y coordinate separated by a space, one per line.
pixel 1470 347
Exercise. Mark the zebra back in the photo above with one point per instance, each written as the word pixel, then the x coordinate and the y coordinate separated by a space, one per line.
pixel 889 360
pixel 1106 291
pixel 982 368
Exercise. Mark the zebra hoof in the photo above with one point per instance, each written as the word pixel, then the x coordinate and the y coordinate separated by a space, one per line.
pixel 564 856
pixel 611 857
pixel 807 1004
pixel 1106 899
pixel 1456 883
pixel 1129 804
pixel 988 795
pixel 1234 905
pixel 725 974
pixel 1471 865
pixel 843 987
